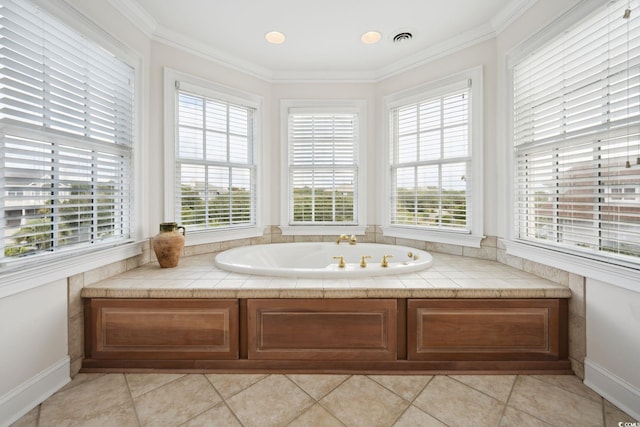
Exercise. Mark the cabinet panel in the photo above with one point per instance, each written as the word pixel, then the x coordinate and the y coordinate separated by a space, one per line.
pixel 484 329
pixel 344 329
pixel 163 329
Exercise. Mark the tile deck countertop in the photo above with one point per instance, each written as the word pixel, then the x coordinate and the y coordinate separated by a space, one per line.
pixel 450 276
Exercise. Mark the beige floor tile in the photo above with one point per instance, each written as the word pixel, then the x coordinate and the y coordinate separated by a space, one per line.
pixel 553 404
pixel 218 416
pixel 176 402
pixel 84 401
pixel 512 417
pixel 414 417
pixel 274 401
pixel 405 386
pixel 140 384
pixel 569 383
pixel 317 416
pixel 457 404
pixel 318 385
pixel 30 419
pixel 229 384
pixel 613 416
pixel 80 379
pixel 360 401
pixel 496 386
pixel 116 416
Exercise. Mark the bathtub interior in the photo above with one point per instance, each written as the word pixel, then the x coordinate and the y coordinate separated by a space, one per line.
pixel 320 260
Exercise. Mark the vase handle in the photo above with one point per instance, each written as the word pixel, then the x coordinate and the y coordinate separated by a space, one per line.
pixel 184 230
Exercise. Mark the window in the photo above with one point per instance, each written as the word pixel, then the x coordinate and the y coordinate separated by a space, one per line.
pixel 212 149
pixel 433 161
pixel 323 158
pixel 576 137
pixel 66 137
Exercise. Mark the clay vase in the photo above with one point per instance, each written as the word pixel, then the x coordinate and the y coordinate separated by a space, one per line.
pixel 168 244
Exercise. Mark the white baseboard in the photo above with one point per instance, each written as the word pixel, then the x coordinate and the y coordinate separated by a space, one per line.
pixel 613 388
pixel 19 401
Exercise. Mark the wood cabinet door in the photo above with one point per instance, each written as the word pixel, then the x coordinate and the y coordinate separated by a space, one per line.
pixel 322 329
pixel 161 329
pixel 491 329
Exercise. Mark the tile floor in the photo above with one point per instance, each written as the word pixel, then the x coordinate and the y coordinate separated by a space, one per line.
pixel 324 400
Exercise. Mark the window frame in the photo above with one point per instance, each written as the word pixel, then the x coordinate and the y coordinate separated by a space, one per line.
pixel 323 106
pixel 208 89
pixel 31 272
pixel 621 274
pixel 476 134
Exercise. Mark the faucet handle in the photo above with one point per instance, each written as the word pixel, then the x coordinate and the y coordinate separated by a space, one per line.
pixel 363 260
pixel 385 260
pixel 341 263
pixel 353 240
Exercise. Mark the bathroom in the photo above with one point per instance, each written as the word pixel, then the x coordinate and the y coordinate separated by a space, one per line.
pixel 43 306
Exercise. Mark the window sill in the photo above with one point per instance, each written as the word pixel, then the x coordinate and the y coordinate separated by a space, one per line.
pixel 213 236
pixel 450 238
pixel 617 275
pixel 322 230
pixel 24 277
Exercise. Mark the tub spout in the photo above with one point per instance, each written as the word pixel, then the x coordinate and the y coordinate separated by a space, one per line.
pixel 343 237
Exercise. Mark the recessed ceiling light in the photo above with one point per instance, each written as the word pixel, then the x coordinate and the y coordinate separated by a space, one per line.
pixel 274 37
pixel 370 37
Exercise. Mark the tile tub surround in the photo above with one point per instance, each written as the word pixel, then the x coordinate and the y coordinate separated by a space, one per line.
pixel 454 278
pixel 451 276
pixel 324 400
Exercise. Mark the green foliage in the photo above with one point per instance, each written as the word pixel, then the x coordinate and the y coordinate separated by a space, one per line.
pixel 38 235
pixel 427 208
pixel 223 208
pixel 322 205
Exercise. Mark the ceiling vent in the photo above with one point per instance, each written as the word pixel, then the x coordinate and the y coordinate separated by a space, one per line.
pixel 402 38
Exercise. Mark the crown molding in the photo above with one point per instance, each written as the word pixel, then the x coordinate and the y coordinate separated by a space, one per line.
pixel 137 15
pixel 156 32
pixel 196 47
pixel 512 11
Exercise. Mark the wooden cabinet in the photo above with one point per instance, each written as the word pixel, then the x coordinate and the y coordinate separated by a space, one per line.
pixel 160 329
pixel 322 329
pixel 496 329
pixel 327 335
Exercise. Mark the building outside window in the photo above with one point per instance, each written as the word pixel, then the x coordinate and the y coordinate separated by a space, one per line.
pixel 66 138
pixel 576 128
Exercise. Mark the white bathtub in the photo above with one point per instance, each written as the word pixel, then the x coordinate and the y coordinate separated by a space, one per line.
pixel 316 260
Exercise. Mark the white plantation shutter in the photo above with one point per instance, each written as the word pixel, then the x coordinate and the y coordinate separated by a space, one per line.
pixel 66 117
pixel 216 170
pixel 431 162
pixel 576 124
pixel 323 167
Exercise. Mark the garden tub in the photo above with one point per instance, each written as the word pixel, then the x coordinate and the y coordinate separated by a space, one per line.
pixel 322 260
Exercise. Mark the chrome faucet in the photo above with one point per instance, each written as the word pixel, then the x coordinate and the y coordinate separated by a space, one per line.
pixel 345 238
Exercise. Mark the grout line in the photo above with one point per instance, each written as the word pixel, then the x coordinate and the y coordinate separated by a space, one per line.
pixel 224 401
pixel 506 402
pixel 133 403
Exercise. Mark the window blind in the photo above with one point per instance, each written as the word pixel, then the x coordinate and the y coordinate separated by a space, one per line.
pixel 576 135
pixel 431 163
pixel 66 117
pixel 323 168
pixel 215 163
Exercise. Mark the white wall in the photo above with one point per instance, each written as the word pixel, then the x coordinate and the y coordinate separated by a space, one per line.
pixel 33 361
pixel 613 344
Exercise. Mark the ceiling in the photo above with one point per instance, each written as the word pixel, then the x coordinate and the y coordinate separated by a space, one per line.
pixel 322 37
